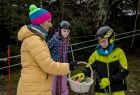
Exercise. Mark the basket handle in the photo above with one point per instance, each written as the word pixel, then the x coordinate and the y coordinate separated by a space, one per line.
pixel 82 62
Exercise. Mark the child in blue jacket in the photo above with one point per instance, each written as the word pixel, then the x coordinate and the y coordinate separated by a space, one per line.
pixel 58 46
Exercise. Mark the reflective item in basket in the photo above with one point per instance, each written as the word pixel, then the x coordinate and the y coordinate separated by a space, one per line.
pixel 82 87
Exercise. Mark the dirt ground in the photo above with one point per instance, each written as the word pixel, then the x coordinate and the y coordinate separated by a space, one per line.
pixel 133 79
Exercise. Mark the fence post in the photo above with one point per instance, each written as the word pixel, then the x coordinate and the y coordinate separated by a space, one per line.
pixel 72 53
pixel 9 72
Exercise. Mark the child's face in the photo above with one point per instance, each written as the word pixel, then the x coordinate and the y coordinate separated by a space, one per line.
pixel 65 33
pixel 103 42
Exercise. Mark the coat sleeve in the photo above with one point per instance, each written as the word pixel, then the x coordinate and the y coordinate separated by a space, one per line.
pixel 124 68
pixel 92 58
pixel 41 54
pixel 91 61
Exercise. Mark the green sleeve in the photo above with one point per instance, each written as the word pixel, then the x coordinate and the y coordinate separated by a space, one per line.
pixel 92 58
pixel 124 68
pixel 123 60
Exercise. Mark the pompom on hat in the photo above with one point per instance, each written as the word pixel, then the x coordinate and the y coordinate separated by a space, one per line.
pixel 38 15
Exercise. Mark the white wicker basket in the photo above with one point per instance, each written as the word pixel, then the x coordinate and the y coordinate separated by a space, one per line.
pixel 82 87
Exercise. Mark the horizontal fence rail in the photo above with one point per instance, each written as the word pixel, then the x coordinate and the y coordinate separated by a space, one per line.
pixel 73 50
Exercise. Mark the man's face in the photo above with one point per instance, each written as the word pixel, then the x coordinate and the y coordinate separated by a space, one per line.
pixel 47 25
pixel 103 42
pixel 65 33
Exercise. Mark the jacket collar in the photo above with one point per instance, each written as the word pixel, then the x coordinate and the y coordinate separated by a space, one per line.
pixel 38 31
pixel 107 51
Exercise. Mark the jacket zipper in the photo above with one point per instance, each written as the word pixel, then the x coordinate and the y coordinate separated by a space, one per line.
pixel 108 73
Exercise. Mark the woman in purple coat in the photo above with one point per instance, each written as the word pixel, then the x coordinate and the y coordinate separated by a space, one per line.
pixel 58 46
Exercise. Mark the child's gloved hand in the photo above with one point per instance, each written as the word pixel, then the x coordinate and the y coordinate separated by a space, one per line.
pixel 73 65
pixel 87 71
pixel 104 83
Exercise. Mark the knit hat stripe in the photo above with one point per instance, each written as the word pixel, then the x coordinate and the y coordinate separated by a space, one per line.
pixel 37 14
pixel 42 18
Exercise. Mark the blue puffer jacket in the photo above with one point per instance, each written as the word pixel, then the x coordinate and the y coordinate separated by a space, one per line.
pixel 58 48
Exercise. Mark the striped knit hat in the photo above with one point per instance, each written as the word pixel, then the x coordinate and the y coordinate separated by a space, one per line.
pixel 39 15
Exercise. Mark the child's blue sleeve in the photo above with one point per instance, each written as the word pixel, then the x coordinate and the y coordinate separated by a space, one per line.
pixel 51 43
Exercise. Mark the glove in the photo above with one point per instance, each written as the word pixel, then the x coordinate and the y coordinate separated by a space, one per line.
pixel 104 83
pixel 73 65
pixel 119 76
pixel 87 71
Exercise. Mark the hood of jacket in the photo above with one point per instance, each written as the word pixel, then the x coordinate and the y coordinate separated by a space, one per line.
pixel 27 31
